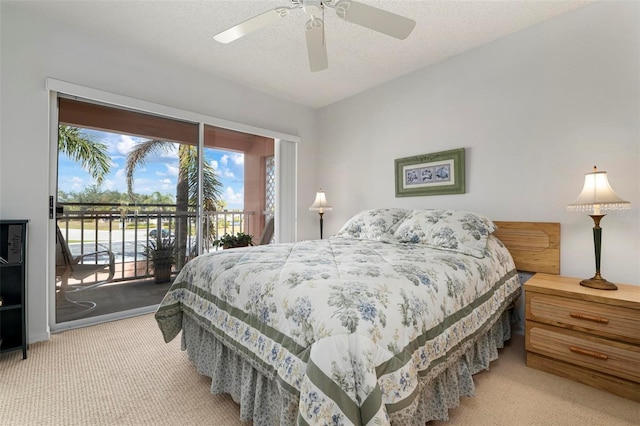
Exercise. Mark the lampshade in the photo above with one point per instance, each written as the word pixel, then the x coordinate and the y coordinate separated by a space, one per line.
pixel 597 193
pixel 320 204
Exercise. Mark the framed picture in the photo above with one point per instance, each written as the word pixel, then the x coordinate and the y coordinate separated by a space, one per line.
pixel 438 173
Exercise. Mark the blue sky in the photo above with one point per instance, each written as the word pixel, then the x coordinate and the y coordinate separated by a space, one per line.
pixel 159 173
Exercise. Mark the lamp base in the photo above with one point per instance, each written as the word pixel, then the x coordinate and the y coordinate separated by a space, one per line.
pixel 599 283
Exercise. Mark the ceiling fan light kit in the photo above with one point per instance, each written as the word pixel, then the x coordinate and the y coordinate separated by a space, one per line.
pixel 357 13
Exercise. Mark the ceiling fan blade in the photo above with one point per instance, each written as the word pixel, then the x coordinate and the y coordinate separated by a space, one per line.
pixel 252 24
pixel 316 47
pixel 377 19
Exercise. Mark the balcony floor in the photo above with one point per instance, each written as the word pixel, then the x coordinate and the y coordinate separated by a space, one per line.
pixel 114 297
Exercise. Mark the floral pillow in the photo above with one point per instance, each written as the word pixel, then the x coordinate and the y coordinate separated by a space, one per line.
pixel 452 230
pixel 377 224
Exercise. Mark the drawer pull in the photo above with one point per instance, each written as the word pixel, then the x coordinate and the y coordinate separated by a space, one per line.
pixel 588 317
pixel 593 354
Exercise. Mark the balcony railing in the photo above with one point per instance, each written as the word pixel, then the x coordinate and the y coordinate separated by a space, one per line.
pixel 126 231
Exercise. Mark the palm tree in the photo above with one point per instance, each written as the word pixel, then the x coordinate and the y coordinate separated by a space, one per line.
pixel 93 156
pixel 158 198
pixel 186 188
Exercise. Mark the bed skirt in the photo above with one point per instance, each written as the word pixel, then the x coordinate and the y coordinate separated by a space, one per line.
pixel 263 400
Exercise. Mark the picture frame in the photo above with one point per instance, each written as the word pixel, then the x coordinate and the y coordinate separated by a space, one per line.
pixel 438 173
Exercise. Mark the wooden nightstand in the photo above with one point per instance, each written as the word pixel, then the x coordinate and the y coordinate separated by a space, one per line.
pixel 591 336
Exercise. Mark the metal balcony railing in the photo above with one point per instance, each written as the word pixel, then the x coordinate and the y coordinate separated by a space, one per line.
pixel 126 231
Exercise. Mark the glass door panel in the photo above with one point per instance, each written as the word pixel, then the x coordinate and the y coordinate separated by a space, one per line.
pixel 126 208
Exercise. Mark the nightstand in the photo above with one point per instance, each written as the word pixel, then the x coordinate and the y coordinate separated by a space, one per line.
pixel 591 336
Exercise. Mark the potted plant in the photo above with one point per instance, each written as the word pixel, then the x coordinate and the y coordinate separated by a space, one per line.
pixel 230 241
pixel 161 253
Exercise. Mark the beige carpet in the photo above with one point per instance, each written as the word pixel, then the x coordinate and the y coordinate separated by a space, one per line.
pixel 122 373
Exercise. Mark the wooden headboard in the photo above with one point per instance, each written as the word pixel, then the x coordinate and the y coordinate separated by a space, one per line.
pixel 535 246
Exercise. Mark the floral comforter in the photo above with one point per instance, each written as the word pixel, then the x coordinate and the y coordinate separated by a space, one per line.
pixel 349 326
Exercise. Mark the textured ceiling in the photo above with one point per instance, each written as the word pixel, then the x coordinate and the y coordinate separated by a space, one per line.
pixel 274 59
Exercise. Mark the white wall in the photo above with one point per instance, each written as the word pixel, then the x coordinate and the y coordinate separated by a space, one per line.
pixel 534 111
pixel 34 48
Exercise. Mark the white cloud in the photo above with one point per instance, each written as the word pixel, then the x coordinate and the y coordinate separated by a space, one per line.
pixel 169 154
pixel 172 170
pixel 116 182
pixel 108 185
pixel 141 186
pixel 149 186
pixel 226 160
pixel 223 171
pixel 125 144
pixel 233 199
pixel 77 183
pixel 168 186
pixel 145 190
pixel 238 159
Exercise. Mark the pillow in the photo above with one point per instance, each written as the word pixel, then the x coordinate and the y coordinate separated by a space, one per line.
pixel 452 230
pixel 377 224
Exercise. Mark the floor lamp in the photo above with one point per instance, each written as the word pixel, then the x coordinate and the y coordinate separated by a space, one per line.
pixel 597 194
pixel 320 205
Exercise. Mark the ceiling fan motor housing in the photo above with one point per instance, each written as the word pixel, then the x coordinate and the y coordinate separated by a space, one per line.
pixel 312 7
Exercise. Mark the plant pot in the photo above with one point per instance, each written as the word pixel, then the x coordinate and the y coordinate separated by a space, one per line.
pixel 162 273
pixel 230 246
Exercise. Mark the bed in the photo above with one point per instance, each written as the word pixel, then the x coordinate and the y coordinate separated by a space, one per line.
pixel 383 323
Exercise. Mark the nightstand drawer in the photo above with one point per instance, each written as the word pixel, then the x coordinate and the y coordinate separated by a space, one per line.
pixel 606 356
pixel 606 320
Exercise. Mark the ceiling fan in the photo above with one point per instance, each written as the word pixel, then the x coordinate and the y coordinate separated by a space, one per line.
pixel 358 13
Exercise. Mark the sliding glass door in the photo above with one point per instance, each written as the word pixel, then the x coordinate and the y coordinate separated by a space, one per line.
pixel 126 207
pixel 136 193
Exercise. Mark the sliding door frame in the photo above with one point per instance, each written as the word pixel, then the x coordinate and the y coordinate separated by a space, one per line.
pixel 286 174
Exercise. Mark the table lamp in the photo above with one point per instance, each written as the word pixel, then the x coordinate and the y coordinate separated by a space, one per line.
pixel 320 205
pixel 597 195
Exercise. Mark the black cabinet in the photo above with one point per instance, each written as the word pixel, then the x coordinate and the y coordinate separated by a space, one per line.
pixel 13 308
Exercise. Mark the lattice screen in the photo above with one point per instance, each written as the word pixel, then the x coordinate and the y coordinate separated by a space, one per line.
pixel 270 185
